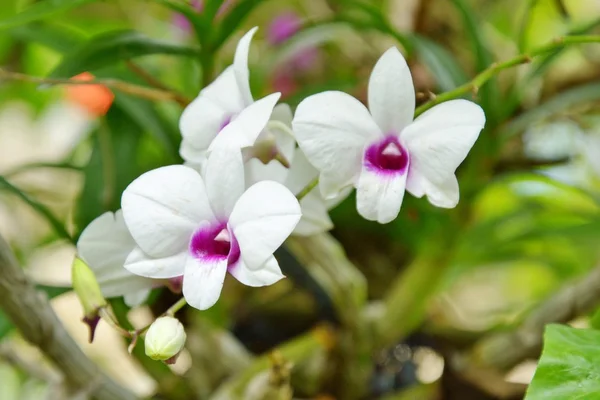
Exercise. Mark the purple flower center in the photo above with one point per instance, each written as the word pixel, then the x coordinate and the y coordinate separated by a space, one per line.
pixel 387 156
pixel 215 242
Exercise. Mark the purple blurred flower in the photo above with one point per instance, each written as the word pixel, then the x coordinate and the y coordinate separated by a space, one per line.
pixel 283 27
pixel 181 22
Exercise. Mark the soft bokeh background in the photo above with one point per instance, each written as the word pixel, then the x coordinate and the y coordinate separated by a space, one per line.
pixel 528 222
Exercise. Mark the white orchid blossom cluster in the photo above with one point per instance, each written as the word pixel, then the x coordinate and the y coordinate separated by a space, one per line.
pixel 233 202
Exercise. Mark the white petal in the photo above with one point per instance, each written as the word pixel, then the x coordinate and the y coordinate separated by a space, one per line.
pixel 438 141
pixel 163 207
pixel 379 195
pixel 202 282
pixel 225 180
pixel 256 171
pixel 225 92
pixel 245 128
pixel 301 172
pixel 262 219
pixel 193 156
pixel 136 298
pixel 142 264
pixel 268 273
pixel 283 113
pixel 201 121
pixel 444 195
pixel 315 216
pixel 391 92
pixel 104 245
pixel 240 65
pixel 332 129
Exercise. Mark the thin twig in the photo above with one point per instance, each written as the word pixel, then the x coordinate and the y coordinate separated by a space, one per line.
pixel 181 99
pixel 125 87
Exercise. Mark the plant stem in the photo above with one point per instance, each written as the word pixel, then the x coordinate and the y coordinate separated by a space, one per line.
pixel 485 75
pixel 311 185
pixel 125 87
pixel 181 99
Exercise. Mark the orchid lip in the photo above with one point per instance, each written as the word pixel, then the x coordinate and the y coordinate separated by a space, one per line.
pixel 387 156
pixel 214 242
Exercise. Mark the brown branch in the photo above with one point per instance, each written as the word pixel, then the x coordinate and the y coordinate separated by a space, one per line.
pixel 32 314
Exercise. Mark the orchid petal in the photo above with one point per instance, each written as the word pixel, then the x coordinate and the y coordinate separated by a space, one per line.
pixel 332 129
pixel 391 92
pixel 194 157
pixel 379 194
pixel 262 219
pixel 224 179
pixel 438 141
pixel 315 216
pixel 201 122
pixel 104 246
pixel 203 282
pixel 225 92
pixel 142 264
pixel 163 207
pixel 240 65
pixel 245 128
pixel 136 298
pixel 268 273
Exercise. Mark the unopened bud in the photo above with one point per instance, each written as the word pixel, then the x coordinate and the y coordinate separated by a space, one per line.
pixel 88 291
pixel 165 339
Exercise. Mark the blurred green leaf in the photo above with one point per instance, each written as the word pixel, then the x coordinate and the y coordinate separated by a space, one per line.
pixel 111 168
pixel 109 48
pixel 41 10
pixel 5 325
pixel 232 21
pixel 568 368
pixel 559 103
pixel 198 21
pixel 144 114
pixel 441 63
pixel 489 94
pixel 55 37
pixel 44 211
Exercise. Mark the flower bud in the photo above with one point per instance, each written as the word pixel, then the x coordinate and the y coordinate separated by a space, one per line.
pixel 88 291
pixel 165 339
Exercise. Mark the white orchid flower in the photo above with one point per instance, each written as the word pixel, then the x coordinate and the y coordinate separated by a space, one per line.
pixel 104 246
pixel 381 151
pixel 204 227
pixel 315 210
pixel 228 98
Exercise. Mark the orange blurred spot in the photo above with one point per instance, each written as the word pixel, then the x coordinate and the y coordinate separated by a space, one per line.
pixel 96 99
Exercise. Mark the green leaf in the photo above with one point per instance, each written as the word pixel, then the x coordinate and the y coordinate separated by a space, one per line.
pixel 489 93
pixel 232 21
pixel 441 63
pixel 55 37
pixel 5 325
pixel 111 168
pixel 198 21
pixel 111 47
pixel 40 10
pixel 569 367
pixel 144 114
pixel 57 225
pixel 559 103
